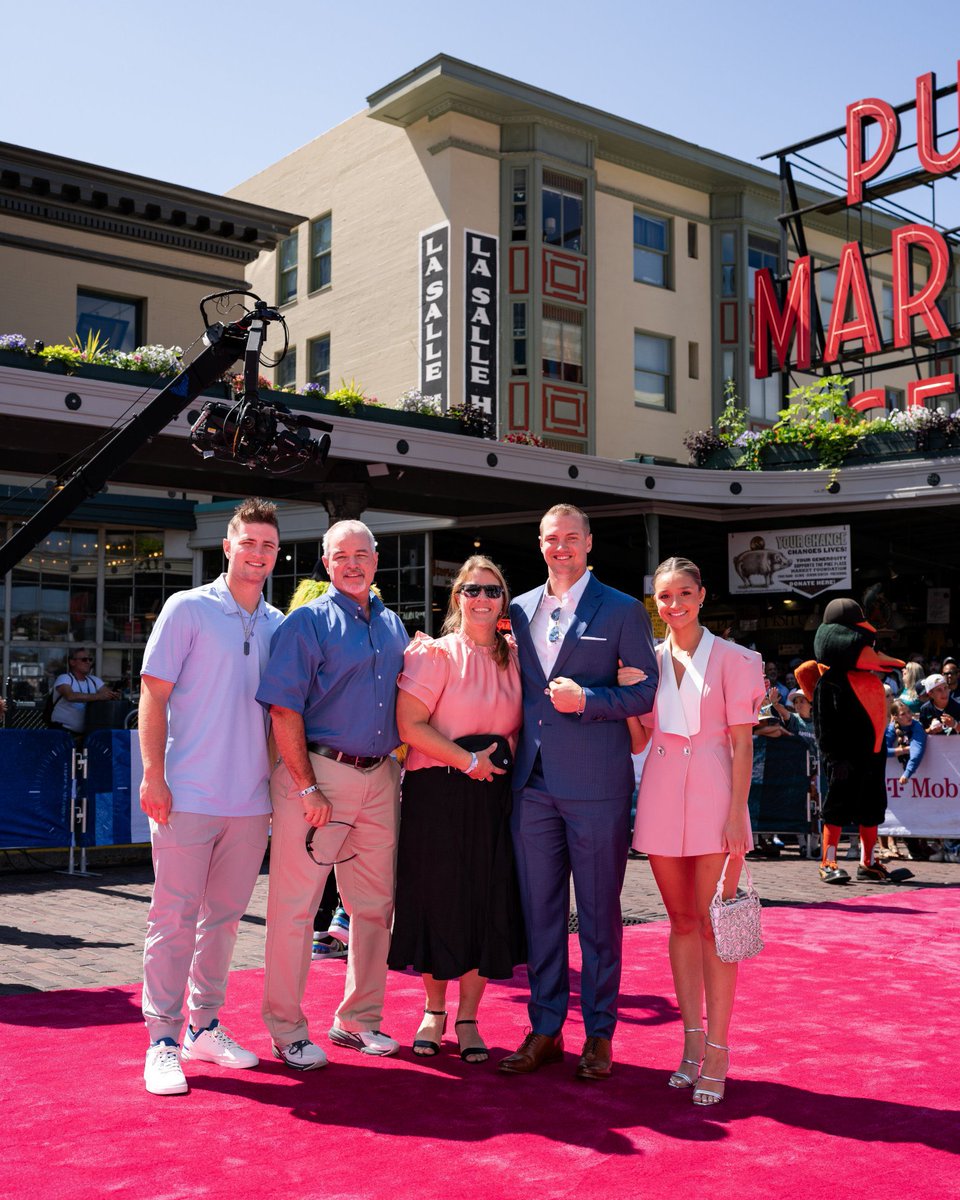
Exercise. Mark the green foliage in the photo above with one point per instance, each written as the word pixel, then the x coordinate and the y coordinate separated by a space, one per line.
pixel 68 356
pixel 733 420
pixel 350 396
pixel 92 348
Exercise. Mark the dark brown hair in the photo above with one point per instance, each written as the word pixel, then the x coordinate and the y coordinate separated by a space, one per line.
pixel 453 620
pixel 254 511
pixel 683 565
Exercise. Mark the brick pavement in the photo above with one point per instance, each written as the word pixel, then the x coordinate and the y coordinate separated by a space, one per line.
pixel 59 931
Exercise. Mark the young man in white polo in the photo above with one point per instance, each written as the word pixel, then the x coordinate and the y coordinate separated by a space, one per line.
pixel 203 740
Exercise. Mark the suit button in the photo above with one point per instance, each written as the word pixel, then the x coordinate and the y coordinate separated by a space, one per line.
pixel 539 722
pixel 686 749
pixel 661 751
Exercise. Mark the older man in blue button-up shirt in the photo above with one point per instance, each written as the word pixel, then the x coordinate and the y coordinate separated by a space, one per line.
pixel 331 687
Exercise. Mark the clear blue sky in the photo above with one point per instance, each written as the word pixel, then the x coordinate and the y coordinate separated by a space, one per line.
pixel 206 94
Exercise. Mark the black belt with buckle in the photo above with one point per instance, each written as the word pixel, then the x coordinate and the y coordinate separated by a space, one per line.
pixel 352 760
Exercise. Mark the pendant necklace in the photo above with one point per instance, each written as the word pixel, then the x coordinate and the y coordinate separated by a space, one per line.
pixel 248 629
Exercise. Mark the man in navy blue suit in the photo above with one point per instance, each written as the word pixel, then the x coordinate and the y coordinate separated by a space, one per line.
pixel 573 780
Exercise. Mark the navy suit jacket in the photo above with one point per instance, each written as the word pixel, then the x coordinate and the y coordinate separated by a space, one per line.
pixel 585 756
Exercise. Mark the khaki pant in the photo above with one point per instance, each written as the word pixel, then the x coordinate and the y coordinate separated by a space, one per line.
pixel 370 802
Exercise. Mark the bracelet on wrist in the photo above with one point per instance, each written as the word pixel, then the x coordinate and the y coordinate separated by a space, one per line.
pixel 314 787
pixel 583 702
pixel 473 764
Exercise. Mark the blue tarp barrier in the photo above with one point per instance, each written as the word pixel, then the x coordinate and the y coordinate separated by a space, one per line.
pixel 114 769
pixel 34 787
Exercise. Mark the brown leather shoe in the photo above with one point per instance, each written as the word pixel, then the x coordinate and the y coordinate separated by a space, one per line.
pixel 534 1052
pixel 596 1059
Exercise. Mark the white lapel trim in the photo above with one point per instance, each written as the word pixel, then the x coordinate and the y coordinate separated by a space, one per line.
pixel 678 709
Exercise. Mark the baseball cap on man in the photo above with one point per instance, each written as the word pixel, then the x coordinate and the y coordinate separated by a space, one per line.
pixel 933 681
pixel 791 696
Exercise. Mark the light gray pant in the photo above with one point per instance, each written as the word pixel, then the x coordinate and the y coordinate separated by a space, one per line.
pixel 205 869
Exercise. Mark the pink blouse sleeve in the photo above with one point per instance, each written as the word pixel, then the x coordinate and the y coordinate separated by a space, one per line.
pixel 424 674
pixel 743 687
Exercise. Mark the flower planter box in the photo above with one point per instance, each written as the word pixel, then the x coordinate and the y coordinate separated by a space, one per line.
pixel 724 459
pixel 789 458
pixel 363 412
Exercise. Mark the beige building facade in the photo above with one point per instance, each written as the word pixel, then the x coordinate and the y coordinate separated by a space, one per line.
pixel 624 261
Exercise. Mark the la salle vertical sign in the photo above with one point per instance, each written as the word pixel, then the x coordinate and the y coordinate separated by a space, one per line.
pixel 435 312
pixel 481 326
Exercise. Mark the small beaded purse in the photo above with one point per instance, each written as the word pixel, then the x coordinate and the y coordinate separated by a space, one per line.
pixel 736 922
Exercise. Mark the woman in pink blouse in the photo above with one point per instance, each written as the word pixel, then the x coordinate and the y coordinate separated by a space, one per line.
pixel 458 910
pixel 692 808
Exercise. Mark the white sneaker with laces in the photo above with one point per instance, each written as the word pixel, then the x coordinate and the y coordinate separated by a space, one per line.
pixel 215 1045
pixel 162 1072
pixel 367 1041
pixel 303 1055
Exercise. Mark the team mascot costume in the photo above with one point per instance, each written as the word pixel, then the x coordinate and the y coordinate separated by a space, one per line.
pixel 849 717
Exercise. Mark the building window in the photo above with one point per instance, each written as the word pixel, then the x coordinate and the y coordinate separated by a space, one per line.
pixel 728 264
pixel 287 270
pixel 692 247
pixel 295 561
pixel 730 367
pixel 886 313
pixel 652 371
pixel 518 230
pixel 320 361
pixel 402 577
pixel 286 373
pixel 321 234
pixel 765 401
pixel 693 360
pixel 562 336
pixel 519 338
pixel 651 250
pixel 827 281
pixel 762 254
pixel 562 202
pixel 118 322
pixel 896 400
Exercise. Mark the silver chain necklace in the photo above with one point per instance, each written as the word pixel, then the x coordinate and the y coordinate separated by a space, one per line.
pixel 248 629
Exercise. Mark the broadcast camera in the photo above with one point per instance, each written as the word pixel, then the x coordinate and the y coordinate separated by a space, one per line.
pixel 251 432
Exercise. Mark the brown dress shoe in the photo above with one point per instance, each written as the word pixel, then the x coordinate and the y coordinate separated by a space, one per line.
pixel 534 1052
pixel 596 1060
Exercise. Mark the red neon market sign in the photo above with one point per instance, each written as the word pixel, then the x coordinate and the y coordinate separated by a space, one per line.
pixel 853 317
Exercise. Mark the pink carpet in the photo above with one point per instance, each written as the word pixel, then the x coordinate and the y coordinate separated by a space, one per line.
pixel 873 1110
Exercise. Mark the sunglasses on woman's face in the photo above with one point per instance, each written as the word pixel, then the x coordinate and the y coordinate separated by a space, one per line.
pixel 492 591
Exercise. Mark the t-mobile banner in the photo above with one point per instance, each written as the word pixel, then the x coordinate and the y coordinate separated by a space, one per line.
pixel 435 312
pixel 480 335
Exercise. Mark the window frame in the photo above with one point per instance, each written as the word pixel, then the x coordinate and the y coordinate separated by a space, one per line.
pixel 314 375
pixel 138 304
pixel 285 272
pixel 317 258
pixel 665 255
pixel 669 395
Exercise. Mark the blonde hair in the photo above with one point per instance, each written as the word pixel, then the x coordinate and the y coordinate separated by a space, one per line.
pixel 912 674
pixel 453 621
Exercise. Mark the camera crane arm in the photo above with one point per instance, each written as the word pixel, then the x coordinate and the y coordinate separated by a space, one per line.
pixel 225 344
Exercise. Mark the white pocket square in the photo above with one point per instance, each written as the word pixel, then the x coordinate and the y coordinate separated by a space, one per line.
pixel 587 638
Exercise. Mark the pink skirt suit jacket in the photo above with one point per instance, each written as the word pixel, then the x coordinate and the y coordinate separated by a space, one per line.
pixel 685 790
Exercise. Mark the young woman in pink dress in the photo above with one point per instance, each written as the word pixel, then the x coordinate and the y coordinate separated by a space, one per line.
pixel 458 906
pixel 692 808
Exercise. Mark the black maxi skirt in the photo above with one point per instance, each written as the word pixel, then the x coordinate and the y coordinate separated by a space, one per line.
pixel 458 905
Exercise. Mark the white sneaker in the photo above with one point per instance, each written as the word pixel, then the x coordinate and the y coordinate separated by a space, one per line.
pixel 367 1041
pixel 302 1056
pixel 215 1045
pixel 162 1072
